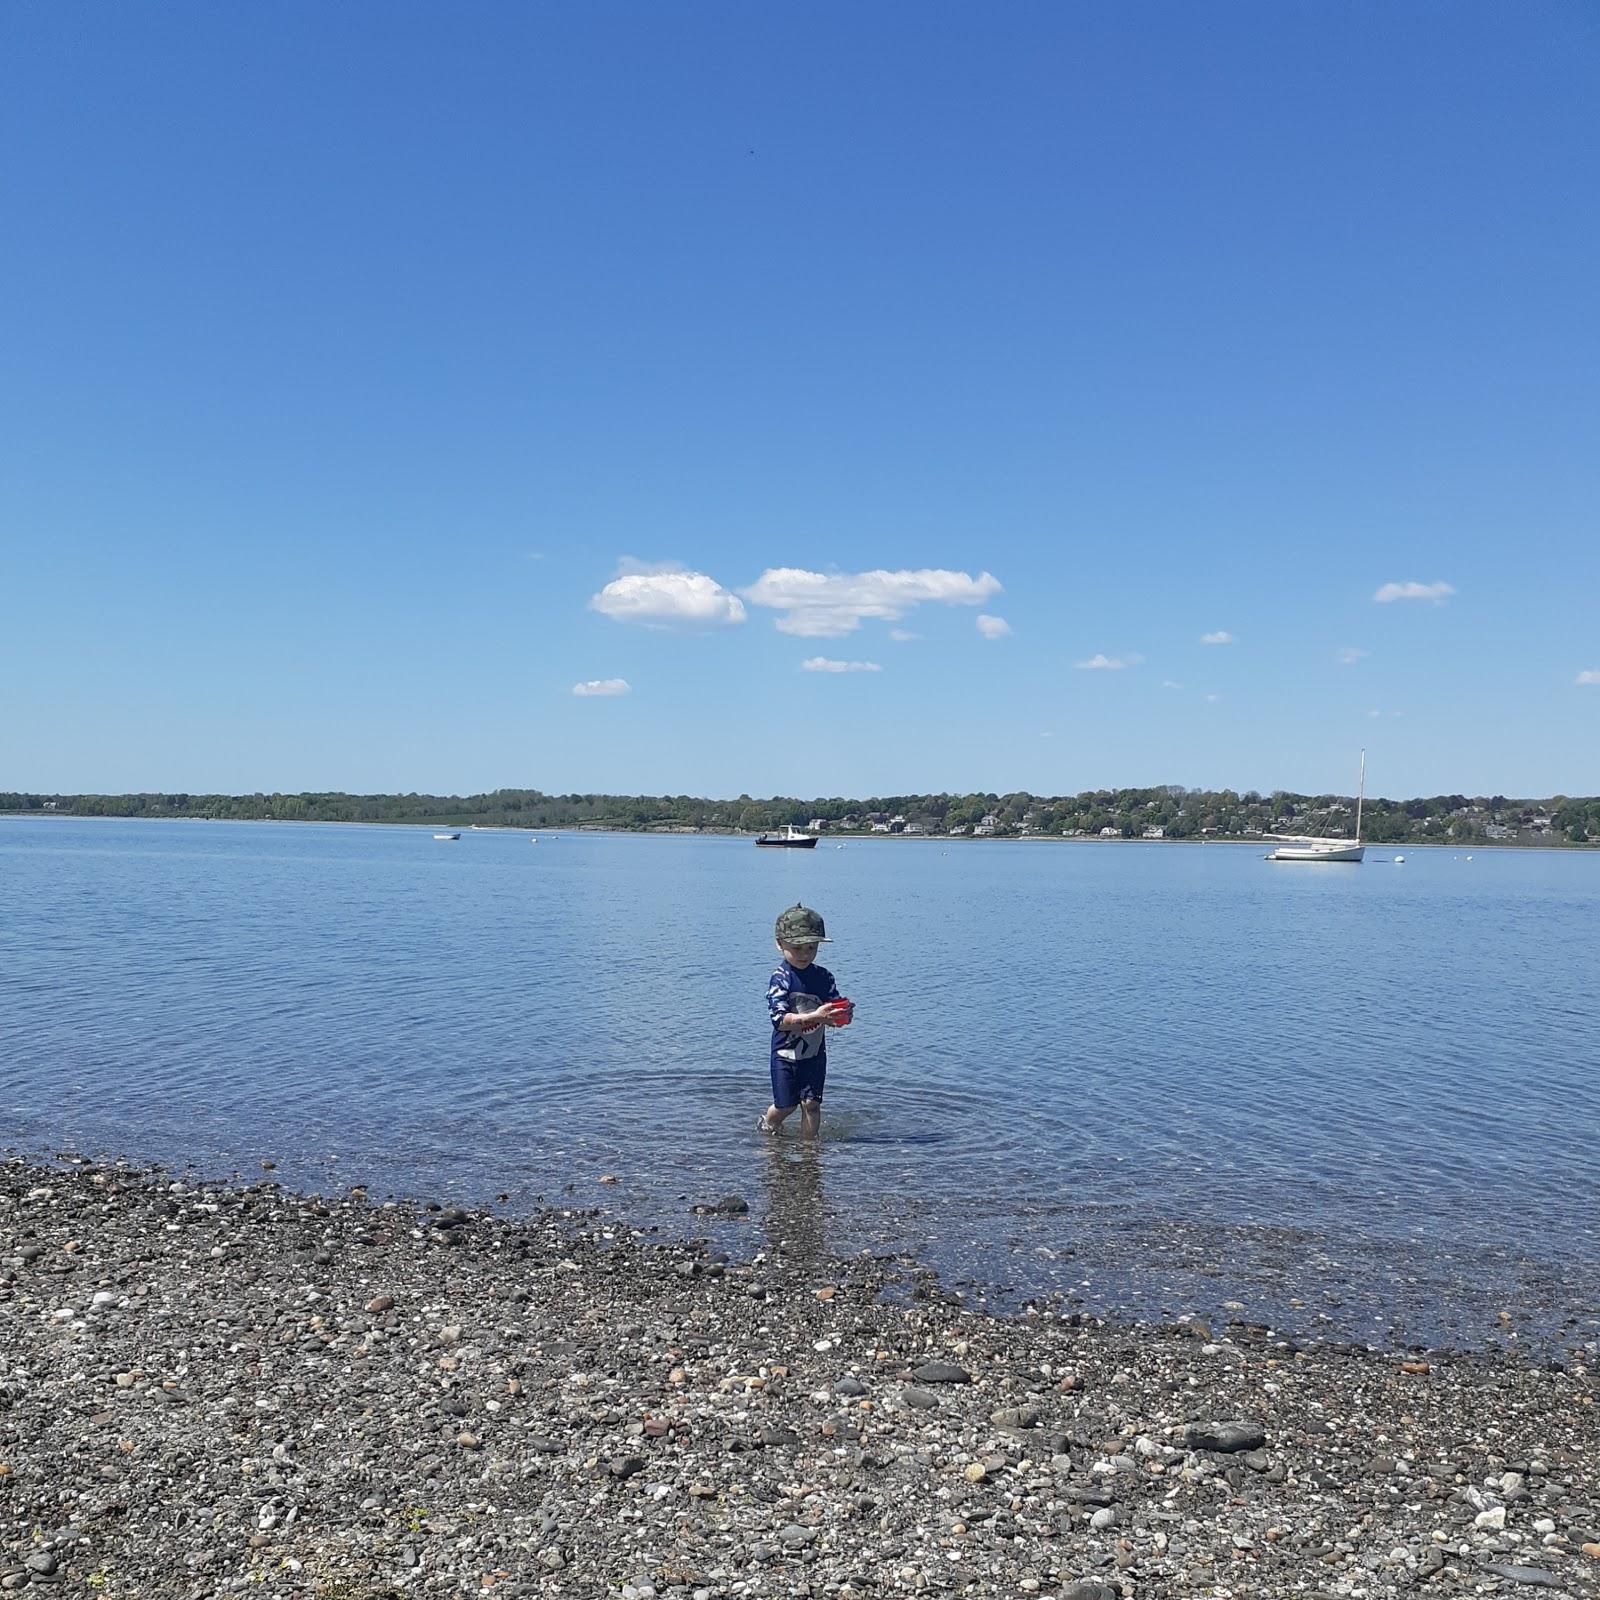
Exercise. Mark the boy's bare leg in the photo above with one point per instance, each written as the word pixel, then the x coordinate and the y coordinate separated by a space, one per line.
pixel 810 1118
pixel 776 1118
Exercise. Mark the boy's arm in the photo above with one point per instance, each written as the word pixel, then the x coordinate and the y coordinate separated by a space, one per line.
pixel 780 1003
pixel 834 1019
pixel 805 1021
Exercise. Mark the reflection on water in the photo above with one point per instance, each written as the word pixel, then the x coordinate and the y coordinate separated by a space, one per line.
pixel 1149 1072
pixel 794 1217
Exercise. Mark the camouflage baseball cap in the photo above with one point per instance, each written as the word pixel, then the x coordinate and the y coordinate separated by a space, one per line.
pixel 801 925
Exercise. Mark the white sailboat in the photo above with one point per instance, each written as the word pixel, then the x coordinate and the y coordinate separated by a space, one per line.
pixel 1329 849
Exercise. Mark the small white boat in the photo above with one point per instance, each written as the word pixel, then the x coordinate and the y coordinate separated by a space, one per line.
pixel 1399 861
pixel 447 836
pixel 1317 850
pixel 1329 849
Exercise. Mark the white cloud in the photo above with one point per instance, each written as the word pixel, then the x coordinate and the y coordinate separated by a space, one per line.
pixel 667 596
pixel 1049 733
pixel 1438 593
pixel 1374 713
pixel 1170 683
pixel 903 635
pixel 1221 636
pixel 1592 676
pixel 993 627
pixel 1351 654
pixel 823 664
pixel 826 605
pixel 1212 699
pixel 1103 663
pixel 602 686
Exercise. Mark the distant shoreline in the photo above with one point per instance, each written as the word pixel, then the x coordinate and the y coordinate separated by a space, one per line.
pixel 1560 847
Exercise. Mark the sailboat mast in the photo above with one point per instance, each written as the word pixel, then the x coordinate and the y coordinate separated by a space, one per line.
pixel 1361 794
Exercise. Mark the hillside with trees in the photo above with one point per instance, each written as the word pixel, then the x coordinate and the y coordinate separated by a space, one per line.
pixel 1169 811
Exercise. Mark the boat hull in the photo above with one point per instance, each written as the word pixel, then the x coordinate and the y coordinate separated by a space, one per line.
pixel 786 844
pixel 1348 853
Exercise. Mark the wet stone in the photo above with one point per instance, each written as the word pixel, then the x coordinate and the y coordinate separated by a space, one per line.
pixel 940 1372
pixel 1534 1577
pixel 1225 1437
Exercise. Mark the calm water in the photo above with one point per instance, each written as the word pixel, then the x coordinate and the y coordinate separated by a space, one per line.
pixel 1154 1077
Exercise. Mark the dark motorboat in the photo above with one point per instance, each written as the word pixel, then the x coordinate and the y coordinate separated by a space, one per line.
pixel 790 839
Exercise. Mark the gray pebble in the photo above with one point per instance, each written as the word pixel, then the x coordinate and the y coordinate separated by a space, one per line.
pixel 940 1372
pixel 1225 1436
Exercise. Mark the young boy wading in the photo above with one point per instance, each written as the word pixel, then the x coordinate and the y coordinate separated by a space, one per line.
pixel 804 1002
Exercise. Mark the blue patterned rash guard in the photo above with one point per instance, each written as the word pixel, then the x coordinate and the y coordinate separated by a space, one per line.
pixel 802 992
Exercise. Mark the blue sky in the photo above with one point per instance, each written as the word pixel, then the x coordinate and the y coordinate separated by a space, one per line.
pixel 376 374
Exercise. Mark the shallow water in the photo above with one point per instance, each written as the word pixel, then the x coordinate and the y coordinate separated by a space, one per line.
pixel 1151 1076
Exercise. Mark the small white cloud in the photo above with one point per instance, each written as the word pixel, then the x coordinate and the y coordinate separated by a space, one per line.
pixel 1049 733
pixel 667 596
pixel 1590 676
pixel 823 664
pixel 827 605
pixel 993 627
pixel 1438 593
pixel 1104 663
pixel 903 635
pixel 1351 654
pixel 1212 699
pixel 1374 712
pixel 1170 683
pixel 1221 636
pixel 601 686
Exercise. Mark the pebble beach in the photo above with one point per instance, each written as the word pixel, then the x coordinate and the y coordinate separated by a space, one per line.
pixel 209 1389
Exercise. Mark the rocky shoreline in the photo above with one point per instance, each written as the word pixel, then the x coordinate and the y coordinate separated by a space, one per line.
pixel 211 1389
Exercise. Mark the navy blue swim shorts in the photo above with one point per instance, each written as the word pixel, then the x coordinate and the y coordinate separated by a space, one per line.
pixel 794 1082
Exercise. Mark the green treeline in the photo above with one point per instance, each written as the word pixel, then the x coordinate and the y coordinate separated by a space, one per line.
pixel 1178 813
